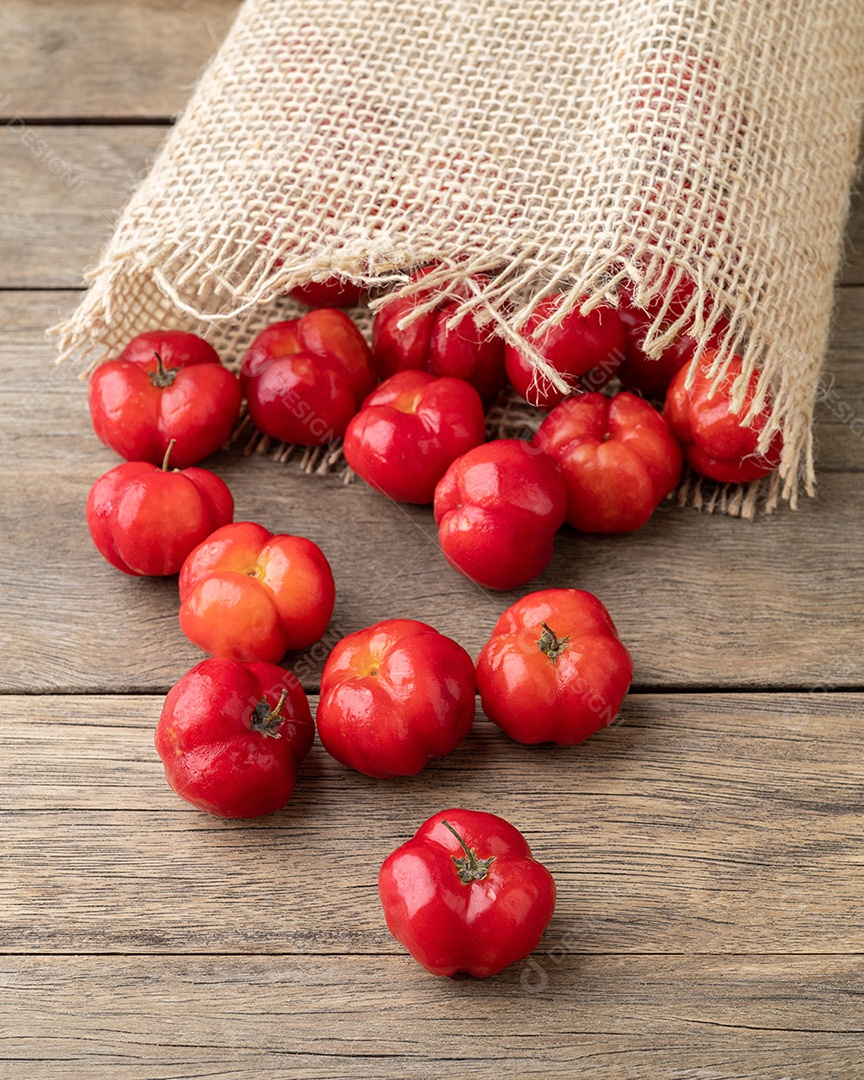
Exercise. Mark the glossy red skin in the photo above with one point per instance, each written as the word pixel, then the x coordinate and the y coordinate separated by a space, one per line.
pixel 467 351
pixel 394 696
pixel 333 292
pixel 618 457
pixel 305 378
pixel 248 594
pixel 585 350
pixel 410 430
pixel 213 757
pixel 481 927
pixel 498 508
pixel 535 700
pixel 648 375
pixel 713 439
pixel 146 520
pixel 138 420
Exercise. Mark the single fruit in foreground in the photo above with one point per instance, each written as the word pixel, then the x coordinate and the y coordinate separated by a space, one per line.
pixel 232 735
pixel 498 508
pixel 145 520
pixel 166 384
pixel 249 594
pixel 394 696
pixel 465 894
pixel 554 669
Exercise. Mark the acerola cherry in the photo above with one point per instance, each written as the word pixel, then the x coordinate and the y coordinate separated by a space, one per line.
pixel 166 384
pixel 618 457
pixel 410 430
pixel 714 439
pixel 145 520
pixel 585 350
pixel 305 378
pixel 466 351
pixel 498 508
pixel 248 594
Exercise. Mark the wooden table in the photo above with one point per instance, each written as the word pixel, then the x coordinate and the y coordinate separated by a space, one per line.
pixel 708 850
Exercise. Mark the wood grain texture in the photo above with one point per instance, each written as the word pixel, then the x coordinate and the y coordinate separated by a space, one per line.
pixel 699 600
pixel 709 824
pixel 68 186
pixel 852 270
pixel 97 58
pixel 643 1018
pixel 64 217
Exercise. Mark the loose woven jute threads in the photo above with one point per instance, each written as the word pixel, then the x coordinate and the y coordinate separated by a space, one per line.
pixel 553 145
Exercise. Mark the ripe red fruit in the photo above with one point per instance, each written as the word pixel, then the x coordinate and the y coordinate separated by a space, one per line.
pixel 467 351
pixel 394 696
pixel 231 737
pixel 464 894
pixel 648 375
pixel 410 430
pixel 585 350
pixel 305 378
pixel 713 438
pixel 497 509
pixel 554 669
pixel 248 594
pixel 145 520
pixel 618 457
pixel 166 384
pixel 332 292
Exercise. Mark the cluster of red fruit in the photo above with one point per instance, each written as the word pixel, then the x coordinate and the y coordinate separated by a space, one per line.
pixel 601 463
pixel 234 730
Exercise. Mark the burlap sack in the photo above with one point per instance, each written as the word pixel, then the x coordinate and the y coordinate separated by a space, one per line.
pixel 554 145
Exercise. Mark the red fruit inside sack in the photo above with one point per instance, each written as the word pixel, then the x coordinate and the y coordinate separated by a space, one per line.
pixel 333 292
pixel 466 351
pixel 713 438
pixel 585 350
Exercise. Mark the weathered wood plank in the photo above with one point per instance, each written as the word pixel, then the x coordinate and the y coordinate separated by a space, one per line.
pixel 700 824
pixel 64 216
pixel 329 1018
pixel 67 186
pixel 699 602
pixel 852 271
pixel 96 58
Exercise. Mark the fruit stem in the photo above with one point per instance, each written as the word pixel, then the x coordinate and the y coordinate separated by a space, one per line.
pixel 266 721
pixel 471 868
pixel 550 644
pixel 162 377
pixel 167 455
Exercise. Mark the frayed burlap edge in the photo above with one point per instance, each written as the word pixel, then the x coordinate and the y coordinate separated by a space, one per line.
pixel 511 418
